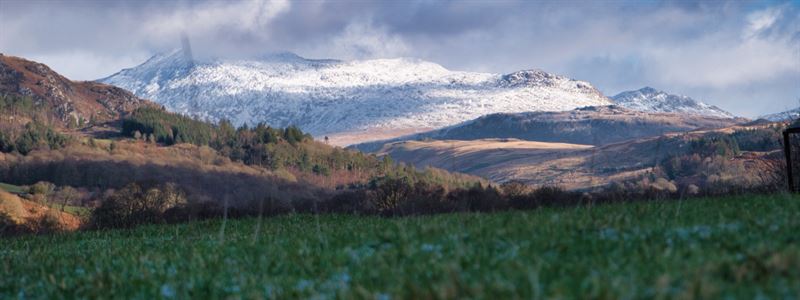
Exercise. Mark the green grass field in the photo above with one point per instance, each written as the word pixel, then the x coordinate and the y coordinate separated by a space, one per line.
pixel 75 210
pixel 740 247
pixel 12 188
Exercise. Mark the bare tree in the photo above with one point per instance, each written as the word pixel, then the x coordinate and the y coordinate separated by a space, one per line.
pixel 67 195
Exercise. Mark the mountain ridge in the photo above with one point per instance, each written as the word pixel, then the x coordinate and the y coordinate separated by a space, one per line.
pixel 648 99
pixel 787 115
pixel 588 125
pixel 332 97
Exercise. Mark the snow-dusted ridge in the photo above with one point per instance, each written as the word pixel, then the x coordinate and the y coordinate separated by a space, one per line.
pixel 329 97
pixel 648 99
pixel 789 115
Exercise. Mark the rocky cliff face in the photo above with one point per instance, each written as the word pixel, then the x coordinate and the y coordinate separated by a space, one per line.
pixel 60 99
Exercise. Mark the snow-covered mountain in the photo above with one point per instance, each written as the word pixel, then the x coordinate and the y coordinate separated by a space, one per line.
pixel 648 99
pixel 355 100
pixel 789 115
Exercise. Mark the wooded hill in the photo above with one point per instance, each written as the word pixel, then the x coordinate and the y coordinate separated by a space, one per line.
pixel 132 146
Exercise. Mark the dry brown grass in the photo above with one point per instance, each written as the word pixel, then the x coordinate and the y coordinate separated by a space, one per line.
pixel 570 166
pixel 11 206
pixel 355 137
pixel 32 215
pixel 465 147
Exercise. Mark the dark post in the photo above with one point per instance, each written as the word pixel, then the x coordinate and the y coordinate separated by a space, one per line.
pixel 787 149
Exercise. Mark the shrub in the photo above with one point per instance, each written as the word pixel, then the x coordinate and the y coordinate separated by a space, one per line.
pixel 42 188
pixel 545 196
pixel 49 222
pixel 477 198
pixel 388 195
pixel 352 202
pixel 426 198
pixel 11 207
pixel 321 170
pixel 6 145
pixel 514 188
pixel 9 226
pixel 133 205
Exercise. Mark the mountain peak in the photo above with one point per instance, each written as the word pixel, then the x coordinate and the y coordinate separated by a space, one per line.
pixel 537 77
pixel 649 99
pixel 649 90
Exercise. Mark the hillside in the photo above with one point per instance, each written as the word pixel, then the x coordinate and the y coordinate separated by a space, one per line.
pixel 749 156
pixel 190 167
pixel 590 125
pixel 349 101
pixel 648 99
pixel 23 212
pixel 33 90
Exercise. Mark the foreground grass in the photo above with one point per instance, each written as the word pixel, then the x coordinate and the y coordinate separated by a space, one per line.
pixel 745 247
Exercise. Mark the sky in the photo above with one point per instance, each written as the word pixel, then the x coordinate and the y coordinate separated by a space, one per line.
pixel 743 56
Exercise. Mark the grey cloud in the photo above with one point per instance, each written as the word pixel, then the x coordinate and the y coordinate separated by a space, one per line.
pixel 725 53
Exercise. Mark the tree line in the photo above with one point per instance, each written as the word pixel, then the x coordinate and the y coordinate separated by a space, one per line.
pixel 34 135
pixel 269 147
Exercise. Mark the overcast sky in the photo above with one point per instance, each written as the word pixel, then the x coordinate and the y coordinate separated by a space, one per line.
pixel 741 56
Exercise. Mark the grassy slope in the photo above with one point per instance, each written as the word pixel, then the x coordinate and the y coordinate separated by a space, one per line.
pixel 12 188
pixel 742 246
pixel 75 210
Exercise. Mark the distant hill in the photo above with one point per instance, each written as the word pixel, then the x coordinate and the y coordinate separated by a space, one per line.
pixel 589 125
pixel 44 137
pixel 745 154
pixel 648 99
pixel 33 89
